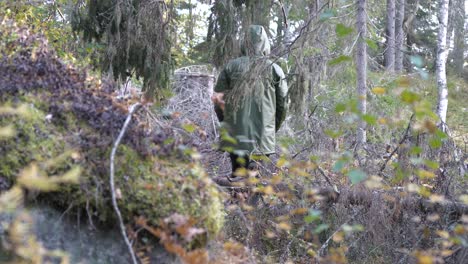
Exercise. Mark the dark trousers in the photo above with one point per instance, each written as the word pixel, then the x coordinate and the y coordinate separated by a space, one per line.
pixel 243 161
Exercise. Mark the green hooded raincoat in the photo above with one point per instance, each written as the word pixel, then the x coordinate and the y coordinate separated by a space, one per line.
pixel 256 97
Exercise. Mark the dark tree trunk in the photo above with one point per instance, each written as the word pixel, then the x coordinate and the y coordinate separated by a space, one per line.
pixel 459 38
pixel 399 35
pixel 390 36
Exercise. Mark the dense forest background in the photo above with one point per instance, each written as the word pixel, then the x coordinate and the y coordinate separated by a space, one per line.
pixel 106 119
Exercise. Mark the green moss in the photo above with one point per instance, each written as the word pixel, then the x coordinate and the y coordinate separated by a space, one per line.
pixel 35 141
pixel 157 188
pixel 150 187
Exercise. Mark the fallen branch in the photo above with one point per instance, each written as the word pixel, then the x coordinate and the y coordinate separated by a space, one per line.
pixel 410 203
pixel 132 109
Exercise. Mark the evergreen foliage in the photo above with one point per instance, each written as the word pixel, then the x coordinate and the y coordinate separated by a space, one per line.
pixel 137 37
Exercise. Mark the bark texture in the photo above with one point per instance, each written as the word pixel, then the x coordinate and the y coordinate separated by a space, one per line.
pixel 441 61
pixel 399 35
pixel 390 36
pixel 459 38
pixel 361 67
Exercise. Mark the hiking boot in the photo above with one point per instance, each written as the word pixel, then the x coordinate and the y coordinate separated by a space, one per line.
pixel 229 181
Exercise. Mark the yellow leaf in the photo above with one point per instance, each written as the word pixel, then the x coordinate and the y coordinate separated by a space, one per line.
pixel 382 121
pixel 378 90
pixel 270 234
pixel 443 234
pixel 284 226
pixel 268 190
pixel 72 176
pixel 338 237
pixel 436 198
pixel 464 198
pixel 424 174
pixel 433 217
pixel 413 187
pixel 300 211
pixel 7 132
pixel 425 259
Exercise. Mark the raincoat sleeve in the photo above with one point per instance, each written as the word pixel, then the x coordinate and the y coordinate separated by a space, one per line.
pixel 281 91
pixel 222 85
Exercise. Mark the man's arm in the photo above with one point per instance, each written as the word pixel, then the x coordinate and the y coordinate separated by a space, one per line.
pixel 221 86
pixel 218 101
pixel 281 91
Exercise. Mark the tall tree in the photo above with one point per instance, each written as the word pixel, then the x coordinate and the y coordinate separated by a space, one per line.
pixel 459 38
pixel 361 68
pixel 399 35
pixel 136 34
pixel 390 36
pixel 441 61
pixel 225 27
pixel 258 12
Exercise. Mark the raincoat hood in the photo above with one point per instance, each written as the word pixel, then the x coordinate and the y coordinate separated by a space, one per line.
pixel 255 42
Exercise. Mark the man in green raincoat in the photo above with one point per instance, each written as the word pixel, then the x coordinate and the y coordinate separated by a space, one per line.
pixel 251 101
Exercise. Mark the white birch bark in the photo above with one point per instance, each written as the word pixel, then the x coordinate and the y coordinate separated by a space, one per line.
pixel 399 35
pixel 441 61
pixel 390 35
pixel 361 68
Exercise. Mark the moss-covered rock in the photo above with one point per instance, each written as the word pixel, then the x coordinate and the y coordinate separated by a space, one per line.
pixel 68 112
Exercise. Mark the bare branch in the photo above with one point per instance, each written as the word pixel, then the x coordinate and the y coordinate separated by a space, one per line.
pixel 132 109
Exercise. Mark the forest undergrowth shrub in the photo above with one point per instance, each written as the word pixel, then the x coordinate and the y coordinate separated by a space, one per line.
pixel 395 193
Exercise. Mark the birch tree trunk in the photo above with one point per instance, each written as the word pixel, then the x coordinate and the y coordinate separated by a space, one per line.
pixel 361 68
pixel 459 38
pixel 450 23
pixel 399 35
pixel 390 36
pixel 441 61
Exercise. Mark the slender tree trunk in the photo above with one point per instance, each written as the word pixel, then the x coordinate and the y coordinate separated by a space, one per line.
pixel 390 36
pixel 441 61
pixel 459 39
pixel 361 68
pixel 450 23
pixel 412 7
pixel 399 35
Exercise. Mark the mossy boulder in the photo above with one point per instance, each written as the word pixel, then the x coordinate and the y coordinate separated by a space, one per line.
pixel 67 111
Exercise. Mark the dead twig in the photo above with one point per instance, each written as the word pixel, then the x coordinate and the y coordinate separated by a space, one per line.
pixel 324 247
pixel 132 109
pixel 405 136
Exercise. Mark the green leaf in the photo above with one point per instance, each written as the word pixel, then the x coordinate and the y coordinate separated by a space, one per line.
pixel 340 108
pixel 409 97
pixel 417 61
pixel 320 228
pixel 333 133
pixel 189 128
pixel 435 142
pixel 342 30
pixel 432 164
pixel 440 134
pixel 369 119
pixel 313 215
pixel 357 176
pixel 415 150
pixel 372 44
pixel 339 60
pixel 339 165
